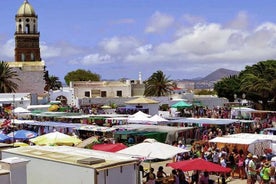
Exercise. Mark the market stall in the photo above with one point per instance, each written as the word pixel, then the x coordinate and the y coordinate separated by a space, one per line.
pixel 253 145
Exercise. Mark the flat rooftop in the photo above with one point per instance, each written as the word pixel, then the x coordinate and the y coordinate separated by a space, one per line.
pixel 75 156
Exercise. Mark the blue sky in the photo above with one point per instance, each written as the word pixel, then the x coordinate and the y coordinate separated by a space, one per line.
pixel 120 38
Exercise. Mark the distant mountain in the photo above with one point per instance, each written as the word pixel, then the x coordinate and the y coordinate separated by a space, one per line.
pixel 219 74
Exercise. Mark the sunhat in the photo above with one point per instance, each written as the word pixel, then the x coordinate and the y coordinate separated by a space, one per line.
pixel 267 164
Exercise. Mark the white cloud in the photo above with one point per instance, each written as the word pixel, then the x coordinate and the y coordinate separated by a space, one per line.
pixel 241 21
pixel 92 59
pixel 212 46
pixel 159 22
pixel 61 49
pixel 124 21
pixel 119 45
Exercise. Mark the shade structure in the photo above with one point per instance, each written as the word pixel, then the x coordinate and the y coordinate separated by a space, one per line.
pixel 109 147
pixel 151 149
pixel 140 114
pixel 53 108
pixel 88 142
pixel 22 134
pixel 106 107
pixel 55 138
pixel 4 138
pixel 198 164
pixel 156 119
pixel 138 117
pixel 142 100
pixel 181 104
pixel 20 144
pixel 19 110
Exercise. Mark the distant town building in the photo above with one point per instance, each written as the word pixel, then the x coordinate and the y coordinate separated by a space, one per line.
pixel 107 89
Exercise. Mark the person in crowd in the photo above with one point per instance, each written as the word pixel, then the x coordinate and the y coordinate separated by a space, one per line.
pixel 216 156
pixel 265 173
pixel 246 162
pixel 204 179
pixel 175 179
pixel 150 177
pixel 260 165
pixel 240 158
pixel 252 170
pixel 186 156
pixel 232 163
pixel 182 177
pixel 160 174
pixel 223 160
pixel 181 145
pixel 195 177
pixel 272 175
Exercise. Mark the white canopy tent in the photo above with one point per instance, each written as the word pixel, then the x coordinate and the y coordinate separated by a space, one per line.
pixel 151 149
pixel 271 138
pixel 139 117
pixel 254 145
pixel 156 119
pixel 139 114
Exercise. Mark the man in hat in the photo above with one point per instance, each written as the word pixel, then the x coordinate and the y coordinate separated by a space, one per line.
pixel 252 170
pixel 248 158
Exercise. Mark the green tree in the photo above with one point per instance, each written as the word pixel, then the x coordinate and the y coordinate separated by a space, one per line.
pixel 81 75
pixel 205 92
pixel 227 87
pixel 158 84
pixel 7 78
pixel 259 81
pixel 53 83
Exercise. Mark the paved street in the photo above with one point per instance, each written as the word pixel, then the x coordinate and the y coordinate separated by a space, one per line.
pixel 168 170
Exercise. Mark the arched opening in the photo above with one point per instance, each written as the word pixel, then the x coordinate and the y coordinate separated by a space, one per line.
pixel 32 57
pixel 20 28
pixel 27 28
pixel 23 57
pixel 62 99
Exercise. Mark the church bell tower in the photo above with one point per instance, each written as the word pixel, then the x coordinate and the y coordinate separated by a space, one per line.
pixel 26 35
pixel 28 64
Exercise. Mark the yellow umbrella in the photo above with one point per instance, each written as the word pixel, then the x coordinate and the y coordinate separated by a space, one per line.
pixel 53 108
pixel 20 144
pixel 55 138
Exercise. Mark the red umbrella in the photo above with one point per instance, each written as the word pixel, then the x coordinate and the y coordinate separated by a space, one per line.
pixel 109 147
pixel 198 164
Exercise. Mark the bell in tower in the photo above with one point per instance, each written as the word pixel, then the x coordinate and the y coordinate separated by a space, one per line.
pixel 26 34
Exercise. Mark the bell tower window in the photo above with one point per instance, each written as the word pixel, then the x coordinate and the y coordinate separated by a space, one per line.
pixel 27 28
pixel 22 57
pixel 32 57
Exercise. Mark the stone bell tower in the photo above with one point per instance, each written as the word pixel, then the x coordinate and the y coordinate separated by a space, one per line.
pixel 28 64
pixel 26 34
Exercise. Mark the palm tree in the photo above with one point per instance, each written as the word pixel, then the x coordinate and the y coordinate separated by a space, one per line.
pixel 53 83
pixel 7 78
pixel 260 80
pixel 158 85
